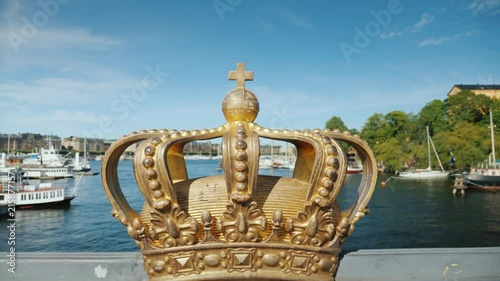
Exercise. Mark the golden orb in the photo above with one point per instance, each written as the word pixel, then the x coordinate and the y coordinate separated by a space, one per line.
pixel 240 105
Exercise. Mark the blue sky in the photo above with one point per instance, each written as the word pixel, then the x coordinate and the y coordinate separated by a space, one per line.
pixel 105 68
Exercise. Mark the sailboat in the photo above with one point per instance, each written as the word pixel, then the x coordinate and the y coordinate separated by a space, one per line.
pixel 486 178
pixel 83 167
pixel 267 161
pixel 426 173
pixel 286 163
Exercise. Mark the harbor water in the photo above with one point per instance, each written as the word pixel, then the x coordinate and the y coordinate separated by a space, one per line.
pixel 403 214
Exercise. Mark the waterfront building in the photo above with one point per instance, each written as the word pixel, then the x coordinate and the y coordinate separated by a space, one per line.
pixel 492 91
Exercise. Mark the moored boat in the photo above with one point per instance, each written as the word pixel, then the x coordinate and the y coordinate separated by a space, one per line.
pixel 40 196
pixel 423 174
pixel 41 172
pixel 427 173
pixel 46 164
pixel 487 175
pixel 483 178
pixel 354 168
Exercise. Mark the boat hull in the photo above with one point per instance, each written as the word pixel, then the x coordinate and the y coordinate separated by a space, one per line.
pixel 354 170
pixel 483 182
pixel 63 204
pixel 424 175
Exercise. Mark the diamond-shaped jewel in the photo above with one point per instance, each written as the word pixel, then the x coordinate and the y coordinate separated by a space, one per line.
pixel 185 263
pixel 300 263
pixel 242 259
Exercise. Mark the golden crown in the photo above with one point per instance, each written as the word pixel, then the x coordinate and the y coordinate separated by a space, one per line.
pixel 265 227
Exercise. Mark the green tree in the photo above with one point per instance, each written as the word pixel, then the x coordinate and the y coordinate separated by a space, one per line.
pixel 336 123
pixel 416 155
pixel 391 154
pixel 468 107
pixel 464 141
pixel 396 122
pixel 435 116
pixel 458 125
pixel 372 130
pixel 354 131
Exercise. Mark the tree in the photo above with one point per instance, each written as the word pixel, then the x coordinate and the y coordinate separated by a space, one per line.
pixel 468 107
pixel 391 154
pixel 464 141
pixel 434 115
pixel 458 125
pixel 336 123
pixel 397 121
pixel 372 130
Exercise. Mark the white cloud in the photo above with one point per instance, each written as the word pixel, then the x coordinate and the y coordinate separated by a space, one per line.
pixel 272 14
pixel 57 116
pixel 297 20
pixel 62 91
pixel 389 35
pixel 426 19
pixel 492 7
pixel 267 25
pixel 433 41
pixel 72 38
pixel 50 88
pixel 19 33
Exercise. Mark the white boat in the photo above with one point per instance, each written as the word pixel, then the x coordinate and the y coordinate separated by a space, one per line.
pixel 354 169
pixel 427 173
pixel 266 162
pixel 287 163
pixel 46 164
pixel 81 166
pixel 283 164
pixel 487 175
pixel 40 196
pixel 47 172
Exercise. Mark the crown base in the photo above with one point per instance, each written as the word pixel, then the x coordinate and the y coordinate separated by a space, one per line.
pixel 255 261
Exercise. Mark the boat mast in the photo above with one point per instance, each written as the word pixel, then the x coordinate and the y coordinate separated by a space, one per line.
pixel 84 151
pixel 492 140
pixel 437 156
pixel 272 151
pixel 428 147
pixel 8 144
pixel 287 153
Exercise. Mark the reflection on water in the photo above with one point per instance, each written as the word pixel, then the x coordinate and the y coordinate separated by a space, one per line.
pixel 404 214
pixel 424 214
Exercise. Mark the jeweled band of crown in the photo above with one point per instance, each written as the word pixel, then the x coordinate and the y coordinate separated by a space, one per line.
pixel 240 225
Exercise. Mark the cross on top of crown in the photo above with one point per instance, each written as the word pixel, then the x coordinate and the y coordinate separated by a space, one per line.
pixel 240 75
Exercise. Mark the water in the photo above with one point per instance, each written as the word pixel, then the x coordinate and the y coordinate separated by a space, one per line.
pixel 404 214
